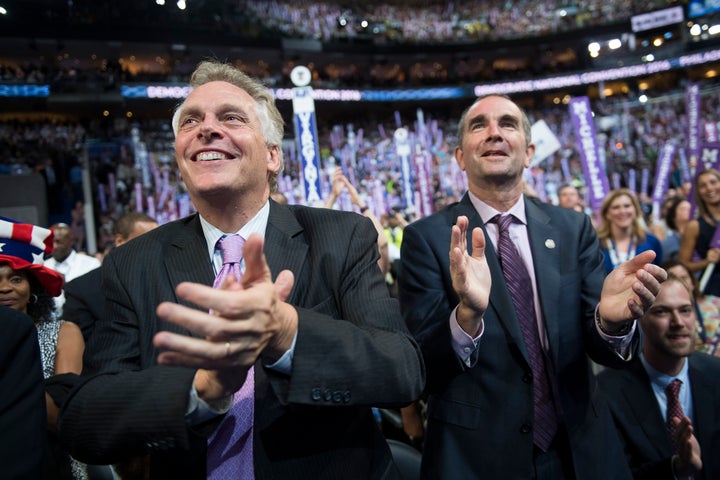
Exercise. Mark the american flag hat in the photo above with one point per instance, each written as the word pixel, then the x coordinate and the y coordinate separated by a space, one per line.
pixel 23 246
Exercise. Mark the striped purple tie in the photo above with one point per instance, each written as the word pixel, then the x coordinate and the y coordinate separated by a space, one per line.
pixel 521 291
pixel 230 447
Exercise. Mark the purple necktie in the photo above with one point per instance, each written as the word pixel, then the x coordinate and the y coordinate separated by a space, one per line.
pixel 521 291
pixel 674 409
pixel 230 447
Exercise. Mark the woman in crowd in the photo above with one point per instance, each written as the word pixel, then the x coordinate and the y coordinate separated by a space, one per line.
pixel 621 232
pixel 699 250
pixel 707 309
pixel 28 286
pixel 677 216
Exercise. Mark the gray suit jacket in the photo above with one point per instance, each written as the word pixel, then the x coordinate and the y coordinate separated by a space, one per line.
pixel 480 417
pixel 352 352
pixel 642 426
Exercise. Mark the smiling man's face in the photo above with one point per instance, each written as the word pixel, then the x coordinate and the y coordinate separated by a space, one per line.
pixel 220 148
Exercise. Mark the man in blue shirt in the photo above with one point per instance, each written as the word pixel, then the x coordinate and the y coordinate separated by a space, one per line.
pixel 663 437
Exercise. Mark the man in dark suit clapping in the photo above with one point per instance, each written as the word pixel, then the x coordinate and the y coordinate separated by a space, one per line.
pixel 511 391
pixel 307 340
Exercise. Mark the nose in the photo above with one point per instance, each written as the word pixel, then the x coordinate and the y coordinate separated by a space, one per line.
pixel 676 319
pixel 493 131
pixel 208 129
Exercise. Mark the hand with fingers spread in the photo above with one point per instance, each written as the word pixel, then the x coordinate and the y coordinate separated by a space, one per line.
pixel 249 318
pixel 470 276
pixel 629 290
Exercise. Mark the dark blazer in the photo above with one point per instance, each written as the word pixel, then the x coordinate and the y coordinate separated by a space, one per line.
pixel 23 422
pixel 480 417
pixel 85 301
pixel 352 352
pixel 642 426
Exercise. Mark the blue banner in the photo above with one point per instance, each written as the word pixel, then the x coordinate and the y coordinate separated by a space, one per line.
pixel 307 140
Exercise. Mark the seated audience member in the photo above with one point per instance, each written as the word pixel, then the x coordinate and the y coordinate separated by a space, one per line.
pixel 23 421
pixel 28 286
pixel 677 216
pixel 707 309
pixel 569 197
pixel 84 298
pixel 66 260
pixel 669 431
pixel 621 232
pixel 272 373
pixel 697 249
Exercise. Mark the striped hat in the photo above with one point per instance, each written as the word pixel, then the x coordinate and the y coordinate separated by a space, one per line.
pixel 23 246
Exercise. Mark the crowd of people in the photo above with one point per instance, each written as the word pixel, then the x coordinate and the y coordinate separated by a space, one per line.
pixel 405 21
pixel 433 22
pixel 462 292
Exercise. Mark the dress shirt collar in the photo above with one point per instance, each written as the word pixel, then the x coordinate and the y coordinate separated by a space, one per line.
pixel 659 381
pixel 487 212
pixel 257 224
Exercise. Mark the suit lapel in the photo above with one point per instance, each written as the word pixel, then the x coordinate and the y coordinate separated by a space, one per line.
pixel 186 258
pixel 544 244
pixel 704 400
pixel 285 247
pixel 640 398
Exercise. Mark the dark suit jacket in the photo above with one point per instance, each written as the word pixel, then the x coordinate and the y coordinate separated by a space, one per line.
pixel 23 423
pixel 480 417
pixel 352 352
pixel 85 301
pixel 642 426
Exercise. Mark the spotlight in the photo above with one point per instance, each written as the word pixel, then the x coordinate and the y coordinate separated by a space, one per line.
pixel 160 2
pixel 181 4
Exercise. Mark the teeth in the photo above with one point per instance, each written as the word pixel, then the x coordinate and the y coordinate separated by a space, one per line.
pixel 205 156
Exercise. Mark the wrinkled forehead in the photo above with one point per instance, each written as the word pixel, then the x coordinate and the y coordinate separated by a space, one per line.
pixel 213 94
pixel 494 107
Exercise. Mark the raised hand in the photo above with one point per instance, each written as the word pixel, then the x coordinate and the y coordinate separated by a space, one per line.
pixel 470 276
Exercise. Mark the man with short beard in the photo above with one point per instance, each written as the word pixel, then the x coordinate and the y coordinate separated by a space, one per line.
pixel 640 402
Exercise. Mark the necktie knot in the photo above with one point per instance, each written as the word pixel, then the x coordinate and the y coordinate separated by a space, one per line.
pixel 673 388
pixel 503 222
pixel 231 248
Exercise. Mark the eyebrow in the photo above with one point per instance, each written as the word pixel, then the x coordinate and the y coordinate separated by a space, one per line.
pixel 222 108
pixel 483 118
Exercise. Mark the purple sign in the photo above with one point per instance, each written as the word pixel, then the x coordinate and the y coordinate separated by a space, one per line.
pixel 662 177
pixel 692 108
pixel 595 176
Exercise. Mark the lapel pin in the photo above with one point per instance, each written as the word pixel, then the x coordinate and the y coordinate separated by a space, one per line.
pixel 550 243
